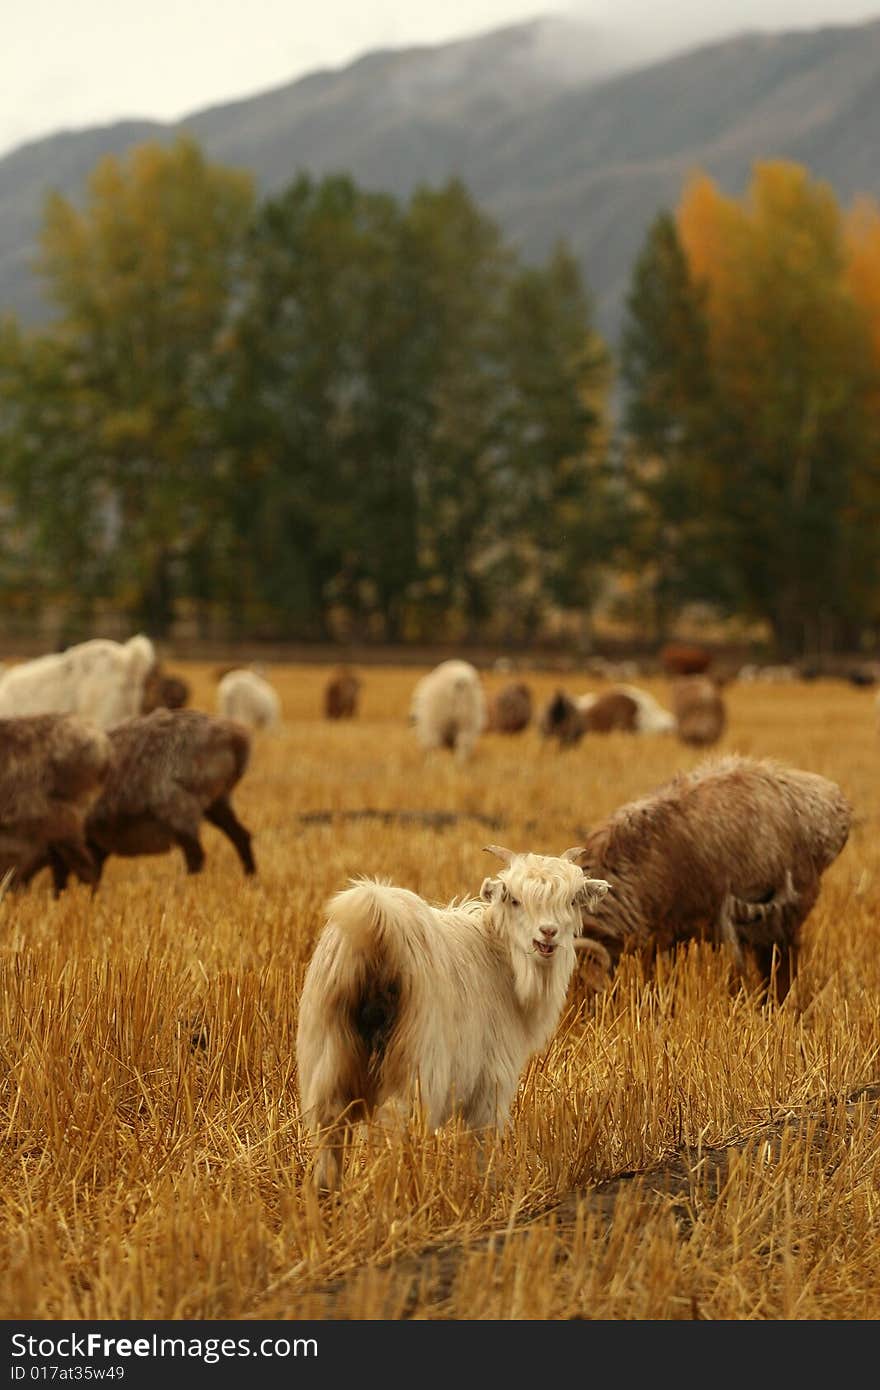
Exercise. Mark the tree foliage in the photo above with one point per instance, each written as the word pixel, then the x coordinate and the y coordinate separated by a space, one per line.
pixel 326 412
pixel 753 384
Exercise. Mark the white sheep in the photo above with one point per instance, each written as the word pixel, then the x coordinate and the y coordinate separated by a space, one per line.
pixel 449 708
pixel 100 679
pixel 403 1000
pixel 244 695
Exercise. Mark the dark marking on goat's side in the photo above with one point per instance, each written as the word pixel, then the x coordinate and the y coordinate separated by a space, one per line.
pixel 375 1015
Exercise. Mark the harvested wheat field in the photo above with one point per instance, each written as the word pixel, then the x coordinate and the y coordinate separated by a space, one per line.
pixel 681 1150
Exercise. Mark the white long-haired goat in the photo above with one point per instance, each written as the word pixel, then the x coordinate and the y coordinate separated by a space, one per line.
pixel 404 1000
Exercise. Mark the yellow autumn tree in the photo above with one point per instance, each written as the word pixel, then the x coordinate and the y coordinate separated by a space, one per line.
pixel 794 443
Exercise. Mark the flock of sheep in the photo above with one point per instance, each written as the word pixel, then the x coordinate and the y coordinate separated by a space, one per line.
pixel 99 756
pixel 449 710
pixel 404 997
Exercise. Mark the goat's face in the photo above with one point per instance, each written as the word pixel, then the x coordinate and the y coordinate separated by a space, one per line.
pixel 537 901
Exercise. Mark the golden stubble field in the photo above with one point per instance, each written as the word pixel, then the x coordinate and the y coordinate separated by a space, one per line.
pixel 679 1151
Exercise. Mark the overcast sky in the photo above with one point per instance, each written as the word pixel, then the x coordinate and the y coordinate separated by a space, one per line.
pixel 72 63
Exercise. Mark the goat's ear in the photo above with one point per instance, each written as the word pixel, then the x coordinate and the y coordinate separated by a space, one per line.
pixel 491 890
pixel 592 891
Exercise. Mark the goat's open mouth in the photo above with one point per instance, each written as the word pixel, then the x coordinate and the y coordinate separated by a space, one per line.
pixel 545 948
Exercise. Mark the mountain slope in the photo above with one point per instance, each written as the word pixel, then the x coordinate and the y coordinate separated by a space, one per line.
pixel 552 137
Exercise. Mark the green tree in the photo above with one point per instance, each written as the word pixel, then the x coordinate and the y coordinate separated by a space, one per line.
pixel 549 500
pixel 667 419
pixel 143 278
pixel 54 544
pixel 319 409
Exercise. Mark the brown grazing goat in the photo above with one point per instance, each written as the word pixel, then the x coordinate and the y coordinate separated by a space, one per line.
pixel 162 691
pixel 341 694
pixel 680 660
pixel 613 711
pixel 561 719
pixel 510 709
pixel 52 767
pixel 732 852
pixel 700 713
pixel 170 769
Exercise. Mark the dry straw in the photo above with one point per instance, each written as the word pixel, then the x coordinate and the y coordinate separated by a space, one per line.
pixel 680 1150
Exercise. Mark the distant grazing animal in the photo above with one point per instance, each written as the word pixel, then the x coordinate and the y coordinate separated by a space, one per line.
pixel 561 719
pixel 249 698
pixel 510 709
pixel 52 768
pixel 732 852
pixel 636 711
pixel 163 691
pixel 699 709
pixel 341 694
pixel 862 676
pixel 403 1000
pixel 678 659
pixel 625 708
pixel 170 770
pixel 100 679
pixel 448 708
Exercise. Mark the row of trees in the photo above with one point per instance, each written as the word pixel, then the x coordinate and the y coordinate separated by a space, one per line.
pixel 334 412
pixel 327 409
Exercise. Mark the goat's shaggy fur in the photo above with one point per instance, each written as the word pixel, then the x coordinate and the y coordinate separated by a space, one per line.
pixel 732 852
pixel 101 680
pixel 449 708
pixel 510 709
pixel 169 770
pixel 52 768
pixel 244 695
pixel 405 1001
pixel 700 713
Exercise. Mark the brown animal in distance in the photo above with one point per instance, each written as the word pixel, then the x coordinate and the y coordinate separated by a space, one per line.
pixel 164 691
pixel 510 709
pixel 679 659
pixel 700 712
pixel 341 694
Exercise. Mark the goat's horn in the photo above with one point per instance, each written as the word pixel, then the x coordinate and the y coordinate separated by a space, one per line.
pixel 574 853
pixel 506 854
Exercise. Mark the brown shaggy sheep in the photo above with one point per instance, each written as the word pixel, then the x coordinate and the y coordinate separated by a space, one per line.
pixel 169 770
pixel 341 694
pixel 732 852
pixel 699 709
pixel 52 768
pixel 510 709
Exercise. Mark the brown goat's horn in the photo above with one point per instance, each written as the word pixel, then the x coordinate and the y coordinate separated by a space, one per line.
pixel 574 853
pixel 506 854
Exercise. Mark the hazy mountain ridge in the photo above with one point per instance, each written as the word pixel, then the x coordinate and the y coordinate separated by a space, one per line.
pixel 551 134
